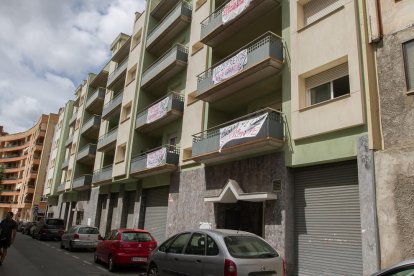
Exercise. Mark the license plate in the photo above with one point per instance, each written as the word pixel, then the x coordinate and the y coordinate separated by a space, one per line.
pixel 138 259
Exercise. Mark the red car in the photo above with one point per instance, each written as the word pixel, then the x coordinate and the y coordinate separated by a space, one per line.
pixel 125 247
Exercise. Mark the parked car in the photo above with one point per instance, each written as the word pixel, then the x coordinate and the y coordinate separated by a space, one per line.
pixel 20 225
pixel 405 268
pixel 33 228
pixel 27 227
pixel 215 252
pixel 80 236
pixel 51 228
pixel 125 247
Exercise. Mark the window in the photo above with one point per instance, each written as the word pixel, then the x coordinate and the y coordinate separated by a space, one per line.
pixel 120 153
pixel 178 244
pixel 315 10
pixel 212 248
pixel 126 112
pixel 131 74
pixel 197 245
pixel 327 85
pixel 136 39
pixel 408 51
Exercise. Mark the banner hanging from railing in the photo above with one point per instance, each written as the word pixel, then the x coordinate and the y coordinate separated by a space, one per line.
pixel 156 158
pixel 232 9
pixel 230 67
pixel 242 129
pixel 158 110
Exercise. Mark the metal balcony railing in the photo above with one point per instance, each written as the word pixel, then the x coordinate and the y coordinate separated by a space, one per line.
pixel 97 96
pixel 112 105
pixel 160 109
pixel 155 158
pixel 267 46
pixel 174 22
pixel 88 150
pixel 267 123
pixel 117 72
pixel 173 61
pixel 102 175
pixel 161 9
pixel 92 124
pixel 82 182
pixel 107 138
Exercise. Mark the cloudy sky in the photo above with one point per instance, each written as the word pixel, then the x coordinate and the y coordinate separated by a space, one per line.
pixel 48 47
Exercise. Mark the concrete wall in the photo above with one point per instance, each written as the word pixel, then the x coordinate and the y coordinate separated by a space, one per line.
pixel 395 164
pixel 186 207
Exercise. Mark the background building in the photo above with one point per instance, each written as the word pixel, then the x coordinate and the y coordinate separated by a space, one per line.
pixel 24 157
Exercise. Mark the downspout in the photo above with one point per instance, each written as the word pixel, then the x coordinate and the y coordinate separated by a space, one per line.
pixel 379 22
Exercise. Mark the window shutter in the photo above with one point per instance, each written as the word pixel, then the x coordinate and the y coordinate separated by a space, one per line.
pixel 327 76
pixel 316 9
pixel 409 64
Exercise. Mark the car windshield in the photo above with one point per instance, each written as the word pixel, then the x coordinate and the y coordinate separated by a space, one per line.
pixel 88 230
pixel 244 246
pixel 54 222
pixel 136 237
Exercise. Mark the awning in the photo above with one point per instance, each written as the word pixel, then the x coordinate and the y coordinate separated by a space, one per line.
pixel 231 193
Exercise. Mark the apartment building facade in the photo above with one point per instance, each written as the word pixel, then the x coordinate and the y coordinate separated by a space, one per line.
pixel 251 115
pixel 392 37
pixel 24 157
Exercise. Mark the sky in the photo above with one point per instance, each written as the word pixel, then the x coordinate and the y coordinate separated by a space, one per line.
pixel 48 47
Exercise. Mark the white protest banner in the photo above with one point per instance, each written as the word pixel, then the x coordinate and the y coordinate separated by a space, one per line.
pixel 242 129
pixel 232 9
pixel 158 110
pixel 156 158
pixel 230 67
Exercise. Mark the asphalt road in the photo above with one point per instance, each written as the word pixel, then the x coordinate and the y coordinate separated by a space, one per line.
pixel 43 258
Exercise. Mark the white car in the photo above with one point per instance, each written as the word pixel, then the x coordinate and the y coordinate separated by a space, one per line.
pixel 80 236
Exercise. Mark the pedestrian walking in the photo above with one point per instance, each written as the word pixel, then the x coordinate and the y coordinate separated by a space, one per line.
pixel 7 234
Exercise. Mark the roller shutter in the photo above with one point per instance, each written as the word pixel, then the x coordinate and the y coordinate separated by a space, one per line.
pixel 327 220
pixel 156 207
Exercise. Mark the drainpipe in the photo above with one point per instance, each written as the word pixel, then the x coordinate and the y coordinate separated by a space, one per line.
pixel 379 22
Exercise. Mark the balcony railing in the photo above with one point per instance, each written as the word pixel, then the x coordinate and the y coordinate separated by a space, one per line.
pixel 87 154
pixel 160 37
pixel 107 140
pixel 162 8
pixel 112 106
pixel 117 72
pixel 103 175
pixel 91 127
pixel 216 27
pixel 254 134
pixel 160 113
pixel 256 61
pixel 155 161
pixel 95 101
pixel 82 183
pixel 167 66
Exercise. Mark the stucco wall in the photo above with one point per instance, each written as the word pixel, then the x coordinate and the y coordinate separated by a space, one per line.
pixel 186 207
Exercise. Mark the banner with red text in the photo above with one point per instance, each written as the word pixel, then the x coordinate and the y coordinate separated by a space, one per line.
pixel 156 158
pixel 230 67
pixel 242 129
pixel 232 9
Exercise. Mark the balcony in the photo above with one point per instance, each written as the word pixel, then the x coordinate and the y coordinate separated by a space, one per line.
pixel 108 140
pixel 10 180
pixel 161 113
pixel 13 169
pixel 13 157
pixel 167 66
pixel 61 187
pixel 156 161
pixel 95 102
pixel 256 61
pixel 162 8
pixel 14 147
pixel 69 141
pixel 161 36
pixel 87 154
pixel 254 134
pixel 91 127
pixel 65 164
pixel 113 106
pixel 117 73
pixel 82 183
pixel 103 175
pixel 216 28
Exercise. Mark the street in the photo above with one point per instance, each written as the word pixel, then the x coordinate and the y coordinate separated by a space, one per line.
pixel 39 258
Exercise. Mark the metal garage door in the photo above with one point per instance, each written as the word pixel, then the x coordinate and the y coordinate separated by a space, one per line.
pixel 156 207
pixel 327 220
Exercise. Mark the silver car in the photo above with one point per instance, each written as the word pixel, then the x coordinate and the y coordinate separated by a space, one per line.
pixel 80 236
pixel 215 253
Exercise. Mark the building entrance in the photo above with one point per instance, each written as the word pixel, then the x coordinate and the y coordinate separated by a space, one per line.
pixel 242 215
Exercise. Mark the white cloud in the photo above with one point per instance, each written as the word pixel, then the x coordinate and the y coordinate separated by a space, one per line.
pixel 48 47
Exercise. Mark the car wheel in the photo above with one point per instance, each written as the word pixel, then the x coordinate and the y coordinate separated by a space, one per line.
pixel 153 270
pixel 95 258
pixel 111 265
pixel 61 245
pixel 70 247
